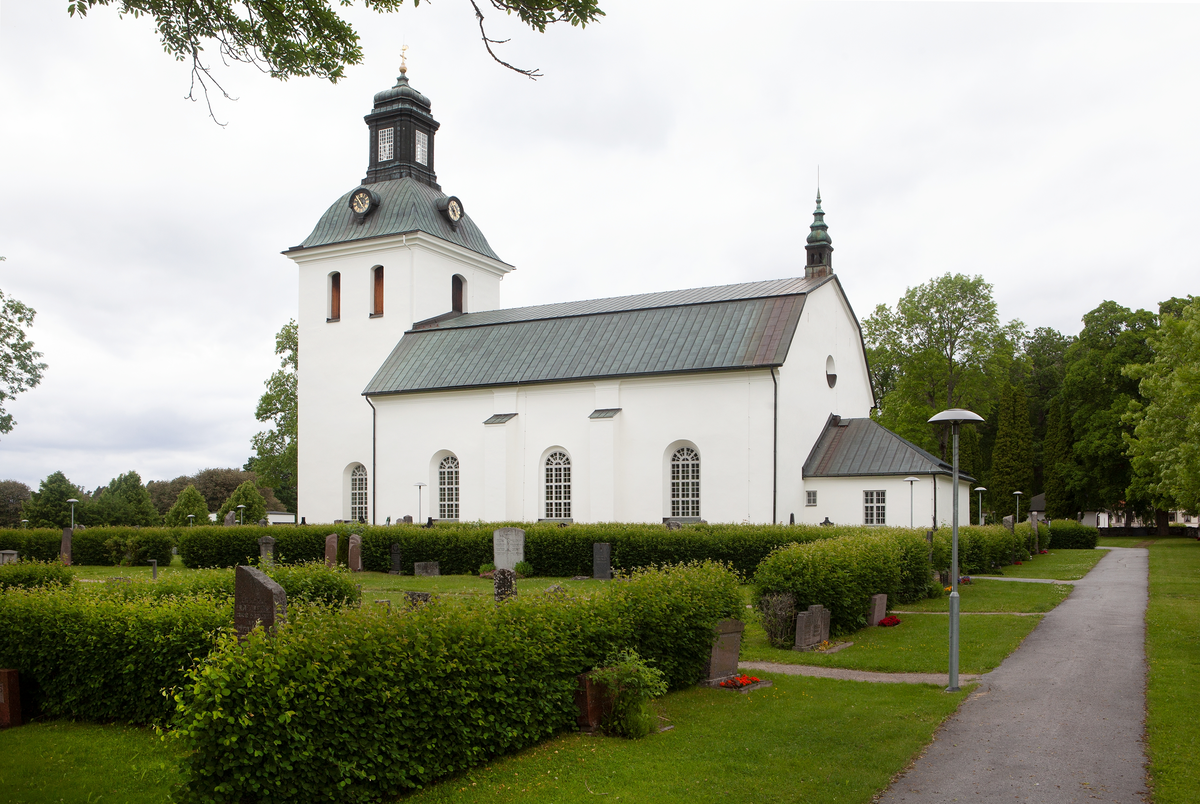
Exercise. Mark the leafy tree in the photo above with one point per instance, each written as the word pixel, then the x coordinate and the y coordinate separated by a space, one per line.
pixel 1056 455
pixel 13 494
pixel 163 493
pixel 247 495
pixel 124 501
pixel 19 366
pixel 1012 455
pixel 1044 364
pixel 189 501
pixel 1165 443
pixel 276 448
pixel 942 347
pixel 48 507
pixel 1096 396
pixel 304 37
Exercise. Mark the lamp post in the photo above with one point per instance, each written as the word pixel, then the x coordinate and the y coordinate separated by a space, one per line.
pixel 910 480
pixel 1017 518
pixel 981 490
pixel 419 487
pixel 25 522
pixel 954 417
pixel 191 520
pixel 241 515
pixel 72 501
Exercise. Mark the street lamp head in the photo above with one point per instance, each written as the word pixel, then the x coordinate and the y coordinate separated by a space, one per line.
pixel 241 506
pixel 980 488
pixel 955 416
pixel 911 479
pixel 72 500
pixel 420 485
pixel 1018 493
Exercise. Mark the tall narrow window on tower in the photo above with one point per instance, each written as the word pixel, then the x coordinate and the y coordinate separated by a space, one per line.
pixel 386 140
pixel 422 148
pixel 456 294
pixel 377 290
pixel 335 296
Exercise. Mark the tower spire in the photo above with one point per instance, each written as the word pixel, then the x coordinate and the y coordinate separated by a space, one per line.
pixel 820 246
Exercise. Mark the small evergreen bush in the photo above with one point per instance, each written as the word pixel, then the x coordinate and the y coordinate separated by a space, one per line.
pixel 1068 534
pixel 189 501
pixel 248 495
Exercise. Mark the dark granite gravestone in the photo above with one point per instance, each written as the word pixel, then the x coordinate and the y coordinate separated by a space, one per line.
pixel 266 551
pixel 723 661
pixel 10 699
pixel 602 561
pixel 407 519
pixel 397 561
pixel 508 547
pixel 505 581
pixel 331 550
pixel 65 550
pixel 8 556
pixel 230 519
pixel 878 609
pixel 812 628
pixel 355 553
pixel 426 568
pixel 257 600
pixel 673 525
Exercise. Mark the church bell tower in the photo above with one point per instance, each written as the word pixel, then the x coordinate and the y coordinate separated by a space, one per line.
pixel 401 135
pixel 820 246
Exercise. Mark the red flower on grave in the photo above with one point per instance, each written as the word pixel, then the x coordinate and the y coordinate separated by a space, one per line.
pixel 737 682
pixel 889 621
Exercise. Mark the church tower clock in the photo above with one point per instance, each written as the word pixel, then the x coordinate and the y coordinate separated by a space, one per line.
pixel 391 252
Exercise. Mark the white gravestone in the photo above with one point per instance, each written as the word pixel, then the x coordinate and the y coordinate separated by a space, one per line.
pixel 508 547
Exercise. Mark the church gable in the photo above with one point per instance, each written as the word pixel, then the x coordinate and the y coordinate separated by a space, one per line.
pixel 862 447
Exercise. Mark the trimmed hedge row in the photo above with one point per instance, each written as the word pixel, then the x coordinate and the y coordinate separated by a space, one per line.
pixel 982 548
pixel 32 545
pixel 103 547
pixel 1067 534
pixel 841 574
pixel 29 574
pixel 369 703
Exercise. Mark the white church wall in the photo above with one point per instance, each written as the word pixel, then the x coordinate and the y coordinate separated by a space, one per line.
pixel 841 500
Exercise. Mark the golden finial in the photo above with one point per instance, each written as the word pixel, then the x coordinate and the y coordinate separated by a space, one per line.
pixel 404 59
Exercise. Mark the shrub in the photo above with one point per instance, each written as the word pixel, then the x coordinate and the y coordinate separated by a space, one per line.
pixel 842 574
pixel 42 544
pixel 313 582
pixel 248 495
pixel 524 569
pixel 28 574
pixel 778 614
pixel 631 682
pixel 370 703
pixel 218 546
pixel 1067 534
pixel 981 549
pixel 486 568
pixel 125 546
pixel 189 501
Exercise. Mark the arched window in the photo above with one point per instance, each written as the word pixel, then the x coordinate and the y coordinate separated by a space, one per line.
pixel 377 290
pixel 358 494
pixel 457 286
pixel 685 482
pixel 448 488
pixel 558 486
pixel 335 296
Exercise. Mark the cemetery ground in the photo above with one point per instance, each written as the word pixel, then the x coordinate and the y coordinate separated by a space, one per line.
pixel 810 739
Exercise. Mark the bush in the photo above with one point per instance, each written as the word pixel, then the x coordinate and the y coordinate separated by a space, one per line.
pixel 313 582
pixel 219 546
pixel 41 544
pixel 28 574
pixel 190 501
pixel 248 495
pixel 1067 534
pixel 981 549
pixel 842 574
pixel 631 682
pixel 105 657
pixel 524 569
pixel 370 703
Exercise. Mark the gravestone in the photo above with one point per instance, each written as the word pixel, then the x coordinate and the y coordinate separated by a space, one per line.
pixel 331 550
pixel 266 551
pixel 602 561
pixel 396 560
pixel 10 699
pixel 723 661
pixel 812 628
pixel 65 550
pixel 505 581
pixel 256 600
pixel 230 519
pixel 878 609
pixel 426 568
pixel 355 553
pixel 508 547
pixel 154 569
pixel 407 519
pixel 119 579
pixel 416 598
pixel 8 556
pixel 1008 522
pixel 673 525
pixel 262 523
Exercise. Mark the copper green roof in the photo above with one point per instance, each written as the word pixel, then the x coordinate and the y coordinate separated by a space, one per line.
pixel 405 206
pixel 703 329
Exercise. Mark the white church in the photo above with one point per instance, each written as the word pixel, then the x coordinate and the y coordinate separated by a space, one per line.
pixel 738 403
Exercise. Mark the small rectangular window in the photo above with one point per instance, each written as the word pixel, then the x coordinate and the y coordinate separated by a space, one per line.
pixel 810 498
pixel 422 148
pixel 386 150
pixel 335 296
pixel 874 507
pixel 377 293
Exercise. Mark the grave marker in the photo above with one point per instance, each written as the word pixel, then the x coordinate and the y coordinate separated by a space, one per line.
pixel 257 600
pixel 10 699
pixel 396 560
pixel 505 582
pixel 878 608
pixel 8 557
pixel 230 519
pixel 408 519
pixel 602 561
pixel 65 549
pixel 508 547
pixel 355 553
pixel 331 550
pixel 812 628
pixel 723 661
pixel 417 598
pixel 673 525
pixel 427 568
pixel 266 551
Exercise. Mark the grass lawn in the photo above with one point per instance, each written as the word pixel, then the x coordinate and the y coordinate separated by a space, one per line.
pixel 65 761
pixel 983 594
pixel 1060 565
pixel 818 741
pixel 1173 654
pixel 1121 541
pixel 140 572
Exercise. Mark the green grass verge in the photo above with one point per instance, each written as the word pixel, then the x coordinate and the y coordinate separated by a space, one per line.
pixel 818 741
pixel 1059 565
pixel 920 644
pixel 1173 654
pixel 983 594
pixel 64 761
pixel 1121 541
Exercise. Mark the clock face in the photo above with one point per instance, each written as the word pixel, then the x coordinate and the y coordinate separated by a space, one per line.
pixel 360 202
pixel 454 210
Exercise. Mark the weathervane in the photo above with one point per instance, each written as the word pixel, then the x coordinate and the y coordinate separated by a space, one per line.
pixel 404 59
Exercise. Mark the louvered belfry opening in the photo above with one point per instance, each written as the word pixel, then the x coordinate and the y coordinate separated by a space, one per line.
pixel 456 294
pixel 335 296
pixel 377 308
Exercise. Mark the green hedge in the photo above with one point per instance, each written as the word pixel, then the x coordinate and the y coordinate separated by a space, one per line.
pixel 40 544
pixel 982 549
pixel 29 574
pixel 371 703
pixel 101 546
pixel 841 574
pixel 1067 534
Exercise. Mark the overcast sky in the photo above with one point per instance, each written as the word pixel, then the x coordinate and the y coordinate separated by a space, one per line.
pixel 1051 148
